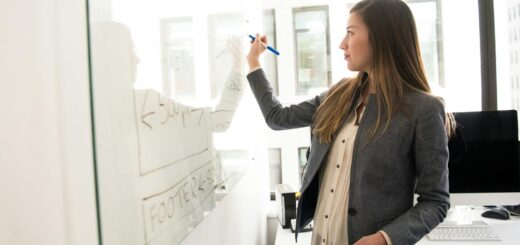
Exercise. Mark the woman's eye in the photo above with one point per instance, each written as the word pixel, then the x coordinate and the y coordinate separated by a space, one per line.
pixel 349 33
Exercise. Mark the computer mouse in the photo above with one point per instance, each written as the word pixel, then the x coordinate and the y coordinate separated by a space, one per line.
pixel 496 214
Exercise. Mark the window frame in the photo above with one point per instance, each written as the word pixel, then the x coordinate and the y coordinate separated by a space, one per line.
pixel 295 10
pixel 488 55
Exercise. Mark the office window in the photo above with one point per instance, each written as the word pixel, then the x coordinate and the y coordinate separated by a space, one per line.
pixel 507 45
pixel 427 17
pixel 312 46
pixel 177 58
pixel 302 160
pixel 451 59
pixel 275 168
pixel 271 61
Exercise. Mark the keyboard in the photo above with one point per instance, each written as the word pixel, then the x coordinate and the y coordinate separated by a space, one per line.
pixel 451 231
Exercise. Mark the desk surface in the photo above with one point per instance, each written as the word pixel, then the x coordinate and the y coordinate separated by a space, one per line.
pixel 507 230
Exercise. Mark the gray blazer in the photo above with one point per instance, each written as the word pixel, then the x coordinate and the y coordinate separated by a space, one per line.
pixel 411 157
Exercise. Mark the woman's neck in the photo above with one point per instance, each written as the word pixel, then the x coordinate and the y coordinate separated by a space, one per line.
pixel 369 89
pixel 371 84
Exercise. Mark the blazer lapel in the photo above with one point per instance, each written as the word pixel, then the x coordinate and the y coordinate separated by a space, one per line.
pixel 319 150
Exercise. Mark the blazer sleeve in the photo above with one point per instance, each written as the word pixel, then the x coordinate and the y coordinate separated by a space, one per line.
pixel 431 163
pixel 277 116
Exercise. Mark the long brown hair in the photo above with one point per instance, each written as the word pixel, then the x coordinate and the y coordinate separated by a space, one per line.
pixel 396 68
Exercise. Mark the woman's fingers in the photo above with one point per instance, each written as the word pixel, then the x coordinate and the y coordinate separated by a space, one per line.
pixel 257 48
pixel 264 39
pixel 258 40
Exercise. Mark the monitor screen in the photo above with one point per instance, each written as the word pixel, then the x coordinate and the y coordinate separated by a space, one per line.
pixel 484 154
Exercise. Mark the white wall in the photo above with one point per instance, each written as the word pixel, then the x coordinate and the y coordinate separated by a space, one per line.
pixel 46 170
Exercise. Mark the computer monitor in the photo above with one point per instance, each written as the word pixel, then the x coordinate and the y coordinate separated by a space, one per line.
pixel 484 159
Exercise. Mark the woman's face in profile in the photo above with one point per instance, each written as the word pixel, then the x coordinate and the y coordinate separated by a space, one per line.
pixel 356 45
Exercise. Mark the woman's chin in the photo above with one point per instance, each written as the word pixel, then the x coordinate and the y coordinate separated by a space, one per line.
pixel 351 67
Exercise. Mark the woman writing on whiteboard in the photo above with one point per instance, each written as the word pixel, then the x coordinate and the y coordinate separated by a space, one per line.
pixel 378 138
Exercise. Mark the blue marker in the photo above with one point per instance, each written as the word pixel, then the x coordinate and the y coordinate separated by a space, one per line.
pixel 267 46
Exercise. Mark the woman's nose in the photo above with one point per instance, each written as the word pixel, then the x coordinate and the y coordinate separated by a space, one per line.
pixel 343 44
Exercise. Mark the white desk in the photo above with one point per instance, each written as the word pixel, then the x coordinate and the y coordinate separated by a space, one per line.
pixel 507 230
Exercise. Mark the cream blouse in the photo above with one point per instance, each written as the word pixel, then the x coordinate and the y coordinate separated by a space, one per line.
pixel 331 217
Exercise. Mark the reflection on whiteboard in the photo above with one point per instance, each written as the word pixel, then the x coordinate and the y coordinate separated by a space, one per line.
pixel 177 57
pixel 172 210
pixel 157 169
pixel 168 131
pixel 220 28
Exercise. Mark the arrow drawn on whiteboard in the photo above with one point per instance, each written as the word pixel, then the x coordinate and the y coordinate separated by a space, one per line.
pixel 143 116
pixel 146 115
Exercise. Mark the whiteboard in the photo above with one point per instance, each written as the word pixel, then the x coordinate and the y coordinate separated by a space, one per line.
pixel 156 107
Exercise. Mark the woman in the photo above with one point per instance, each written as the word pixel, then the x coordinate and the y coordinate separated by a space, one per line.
pixel 378 138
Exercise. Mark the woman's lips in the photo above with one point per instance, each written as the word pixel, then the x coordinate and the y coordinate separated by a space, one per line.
pixel 347 57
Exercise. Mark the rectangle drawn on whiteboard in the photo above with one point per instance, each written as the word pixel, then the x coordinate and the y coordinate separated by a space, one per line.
pixel 174 211
pixel 168 131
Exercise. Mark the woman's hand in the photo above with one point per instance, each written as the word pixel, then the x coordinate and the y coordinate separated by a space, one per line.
pixel 257 48
pixel 374 239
